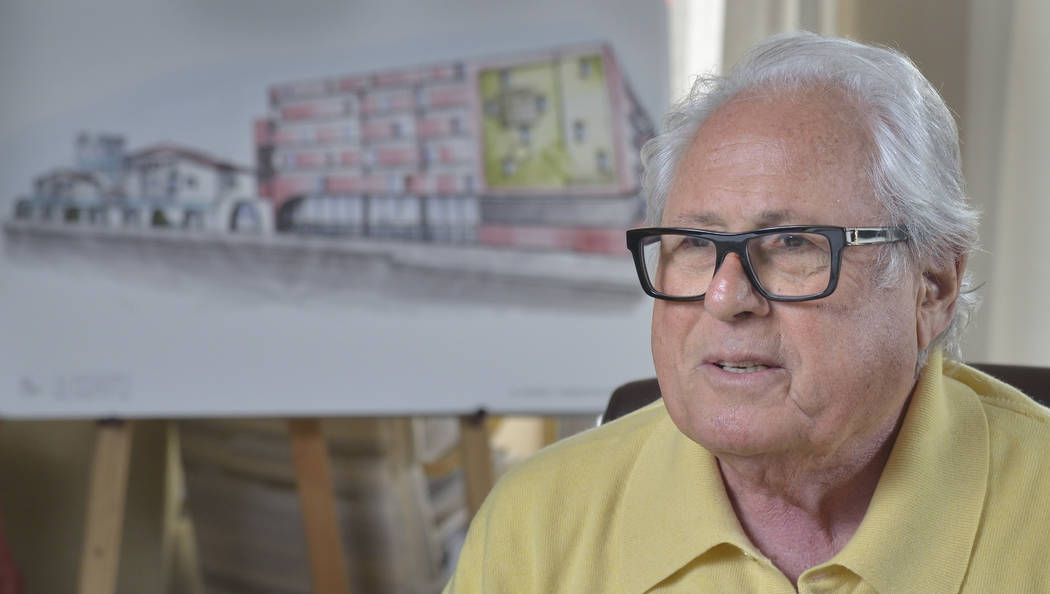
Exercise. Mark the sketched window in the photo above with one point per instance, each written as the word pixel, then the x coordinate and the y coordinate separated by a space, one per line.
pixel 579 130
pixel 584 68
pixel 603 161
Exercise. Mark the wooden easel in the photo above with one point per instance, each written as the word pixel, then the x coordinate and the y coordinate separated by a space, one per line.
pixel 104 515
pixel 313 474
pixel 477 459
pixel 104 518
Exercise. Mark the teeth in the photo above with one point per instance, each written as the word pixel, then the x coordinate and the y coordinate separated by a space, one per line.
pixel 742 367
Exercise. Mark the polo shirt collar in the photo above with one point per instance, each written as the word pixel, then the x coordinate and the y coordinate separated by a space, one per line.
pixel 919 530
pixel 916 535
pixel 675 508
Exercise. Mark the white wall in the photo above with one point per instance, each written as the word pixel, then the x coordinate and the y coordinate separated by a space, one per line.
pixel 1019 291
pixel 982 129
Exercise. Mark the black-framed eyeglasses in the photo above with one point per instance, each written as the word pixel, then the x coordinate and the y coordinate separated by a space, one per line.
pixel 790 263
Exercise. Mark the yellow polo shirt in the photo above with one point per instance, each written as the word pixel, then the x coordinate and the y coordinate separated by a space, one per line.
pixel 963 505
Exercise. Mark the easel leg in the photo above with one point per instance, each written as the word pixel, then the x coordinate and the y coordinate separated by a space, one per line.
pixel 316 497
pixel 477 459
pixel 550 430
pixel 104 517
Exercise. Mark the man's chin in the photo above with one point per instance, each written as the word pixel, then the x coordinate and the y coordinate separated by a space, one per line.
pixel 739 436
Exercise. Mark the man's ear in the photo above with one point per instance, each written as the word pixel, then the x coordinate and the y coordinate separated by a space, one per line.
pixel 935 302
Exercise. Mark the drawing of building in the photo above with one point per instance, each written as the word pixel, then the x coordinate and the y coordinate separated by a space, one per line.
pixel 103 156
pixel 62 193
pixel 181 186
pixel 535 150
pixel 160 186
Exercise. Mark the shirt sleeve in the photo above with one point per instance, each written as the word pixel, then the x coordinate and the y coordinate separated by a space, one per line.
pixel 469 575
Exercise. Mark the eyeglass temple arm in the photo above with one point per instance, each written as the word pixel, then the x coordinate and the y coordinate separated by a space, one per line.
pixel 869 235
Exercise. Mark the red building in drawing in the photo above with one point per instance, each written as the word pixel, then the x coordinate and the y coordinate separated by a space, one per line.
pixel 535 150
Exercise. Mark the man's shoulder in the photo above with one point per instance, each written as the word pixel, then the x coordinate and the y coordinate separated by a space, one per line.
pixel 1007 409
pixel 1018 439
pixel 1014 522
pixel 585 464
pixel 1018 411
pixel 600 449
pixel 552 522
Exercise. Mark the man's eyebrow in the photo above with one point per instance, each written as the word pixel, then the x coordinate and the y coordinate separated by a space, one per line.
pixel 708 220
pixel 699 220
pixel 772 218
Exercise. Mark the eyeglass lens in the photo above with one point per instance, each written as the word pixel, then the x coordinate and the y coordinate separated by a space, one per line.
pixel 789 264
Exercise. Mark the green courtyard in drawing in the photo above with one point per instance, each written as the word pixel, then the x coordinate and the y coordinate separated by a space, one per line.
pixel 547 124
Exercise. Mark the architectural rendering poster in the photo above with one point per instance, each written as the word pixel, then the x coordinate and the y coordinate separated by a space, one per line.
pixel 245 208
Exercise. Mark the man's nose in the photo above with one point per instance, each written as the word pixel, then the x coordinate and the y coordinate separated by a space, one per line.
pixel 731 294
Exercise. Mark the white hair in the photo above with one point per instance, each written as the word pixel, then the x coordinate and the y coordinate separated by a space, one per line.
pixel 913 161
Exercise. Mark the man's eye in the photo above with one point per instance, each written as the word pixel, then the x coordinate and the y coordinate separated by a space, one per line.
pixel 695 242
pixel 793 241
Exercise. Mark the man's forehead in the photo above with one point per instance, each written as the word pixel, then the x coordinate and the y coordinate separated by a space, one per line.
pixel 758 162
pixel 820 123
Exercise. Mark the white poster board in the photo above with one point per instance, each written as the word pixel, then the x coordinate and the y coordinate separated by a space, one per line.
pixel 99 323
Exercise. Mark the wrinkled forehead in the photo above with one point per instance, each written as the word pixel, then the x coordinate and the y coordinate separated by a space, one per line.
pixel 808 127
pixel 779 159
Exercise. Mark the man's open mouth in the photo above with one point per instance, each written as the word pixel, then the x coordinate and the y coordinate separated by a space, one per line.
pixel 742 367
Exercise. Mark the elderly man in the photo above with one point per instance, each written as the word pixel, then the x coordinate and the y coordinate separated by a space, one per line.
pixel 808 269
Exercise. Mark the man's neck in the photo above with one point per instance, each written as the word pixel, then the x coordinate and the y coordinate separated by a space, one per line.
pixel 801 515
